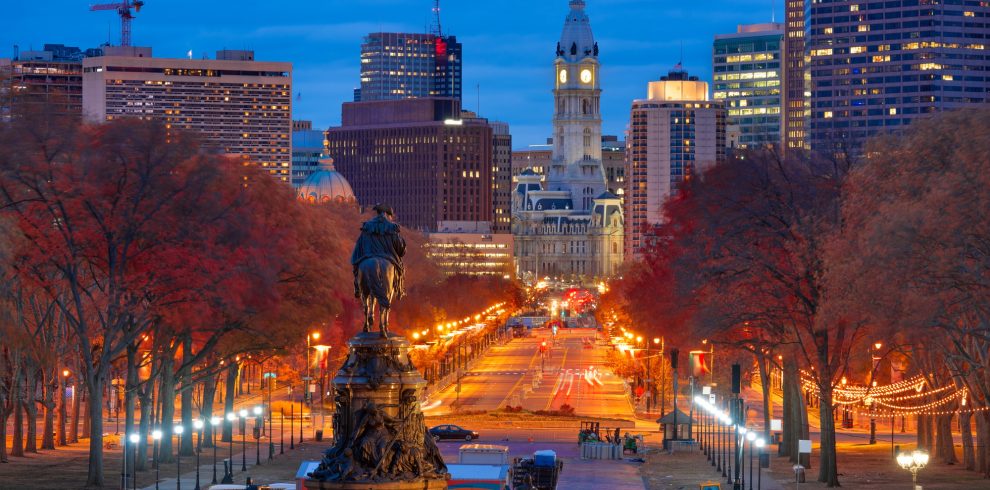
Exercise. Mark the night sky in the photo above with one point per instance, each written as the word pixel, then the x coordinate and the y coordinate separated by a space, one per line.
pixel 508 44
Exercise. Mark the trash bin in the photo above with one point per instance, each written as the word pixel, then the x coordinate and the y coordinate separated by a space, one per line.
pixel 319 435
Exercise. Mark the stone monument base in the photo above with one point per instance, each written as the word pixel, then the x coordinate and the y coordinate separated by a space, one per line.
pixel 399 485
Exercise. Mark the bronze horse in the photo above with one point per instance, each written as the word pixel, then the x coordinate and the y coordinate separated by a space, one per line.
pixel 376 286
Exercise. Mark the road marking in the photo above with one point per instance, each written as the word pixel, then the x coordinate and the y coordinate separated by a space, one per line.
pixel 521 378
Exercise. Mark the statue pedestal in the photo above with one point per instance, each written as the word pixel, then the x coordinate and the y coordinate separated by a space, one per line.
pixel 380 437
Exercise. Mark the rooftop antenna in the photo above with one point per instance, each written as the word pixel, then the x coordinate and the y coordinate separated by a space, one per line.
pixel 773 12
pixel 437 28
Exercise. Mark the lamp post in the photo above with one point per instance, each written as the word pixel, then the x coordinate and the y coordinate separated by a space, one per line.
pixel 243 416
pixel 271 426
pixel 134 438
pixel 281 431
pixel 309 373
pixel 874 355
pixel 198 425
pixel 214 421
pixel 913 462
pixel 156 435
pixel 760 443
pixel 751 437
pixel 178 457
pixel 257 435
pixel 228 470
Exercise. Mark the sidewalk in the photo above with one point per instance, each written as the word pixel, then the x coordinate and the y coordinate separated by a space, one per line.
pixel 688 469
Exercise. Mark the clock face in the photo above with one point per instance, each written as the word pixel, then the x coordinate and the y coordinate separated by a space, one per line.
pixel 586 75
pixel 563 76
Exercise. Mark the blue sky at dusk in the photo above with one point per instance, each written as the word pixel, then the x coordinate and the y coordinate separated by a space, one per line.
pixel 508 44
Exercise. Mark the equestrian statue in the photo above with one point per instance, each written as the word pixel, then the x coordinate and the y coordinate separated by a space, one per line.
pixel 377 262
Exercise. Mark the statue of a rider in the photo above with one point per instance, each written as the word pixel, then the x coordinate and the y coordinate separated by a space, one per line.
pixel 380 238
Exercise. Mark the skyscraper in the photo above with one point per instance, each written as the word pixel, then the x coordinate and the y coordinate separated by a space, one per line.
pixel 433 166
pixel 237 105
pixel 795 103
pixel 502 177
pixel 568 225
pixel 676 133
pixel 404 65
pixel 747 78
pixel 878 66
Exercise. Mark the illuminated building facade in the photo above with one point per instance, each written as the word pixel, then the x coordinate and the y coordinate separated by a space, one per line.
pixel 747 78
pixel 502 174
pixel 420 156
pixel 404 65
pixel 477 254
pixel 795 103
pixel 676 133
pixel 238 106
pixel 877 66
pixel 565 223
pixel 51 76
pixel 538 157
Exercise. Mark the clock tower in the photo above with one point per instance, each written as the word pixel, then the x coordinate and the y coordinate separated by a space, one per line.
pixel 565 224
pixel 577 122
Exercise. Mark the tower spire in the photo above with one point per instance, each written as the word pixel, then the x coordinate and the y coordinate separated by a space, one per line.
pixel 437 28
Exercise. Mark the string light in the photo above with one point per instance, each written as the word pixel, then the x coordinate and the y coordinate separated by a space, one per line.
pixel 891 397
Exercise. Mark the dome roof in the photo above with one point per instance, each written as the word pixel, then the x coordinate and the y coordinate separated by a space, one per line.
pixel 577 41
pixel 326 185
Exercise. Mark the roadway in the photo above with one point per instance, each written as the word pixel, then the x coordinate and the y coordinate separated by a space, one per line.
pixel 572 372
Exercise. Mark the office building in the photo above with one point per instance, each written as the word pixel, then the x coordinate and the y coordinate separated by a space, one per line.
pixel 307 151
pixel 877 66
pixel 676 133
pixel 418 155
pixel 51 76
pixel 476 252
pixel 403 65
pixel 502 174
pixel 238 106
pixel 795 102
pixel 747 79
pixel 566 224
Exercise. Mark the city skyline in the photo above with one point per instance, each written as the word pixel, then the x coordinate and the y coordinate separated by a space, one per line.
pixel 505 50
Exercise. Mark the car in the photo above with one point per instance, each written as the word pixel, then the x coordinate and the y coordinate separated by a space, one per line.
pixel 454 432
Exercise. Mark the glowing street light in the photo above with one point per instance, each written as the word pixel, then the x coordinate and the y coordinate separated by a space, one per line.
pixel 913 462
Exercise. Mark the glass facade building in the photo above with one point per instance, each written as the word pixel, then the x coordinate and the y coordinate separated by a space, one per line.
pixel 401 66
pixel 747 78
pixel 877 66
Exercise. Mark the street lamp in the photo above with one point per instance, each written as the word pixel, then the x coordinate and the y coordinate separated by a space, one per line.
pixel 751 437
pixel 134 438
pixel 309 374
pixel 257 436
pixel 198 425
pixel 178 456
pixel 228 474
pixel 214 422
pixel 760 443
pixel 913 462
pixel 243 416
pixel 156 435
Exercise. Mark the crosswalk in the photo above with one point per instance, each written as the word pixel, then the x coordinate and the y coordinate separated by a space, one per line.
pixel 495 373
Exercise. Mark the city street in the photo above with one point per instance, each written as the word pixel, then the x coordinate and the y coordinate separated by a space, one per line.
pixel 574 373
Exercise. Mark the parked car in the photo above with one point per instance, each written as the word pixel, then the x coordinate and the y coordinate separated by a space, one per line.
pixel 441 432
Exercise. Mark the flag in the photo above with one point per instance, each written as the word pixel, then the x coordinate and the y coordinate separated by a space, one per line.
pixel 189 54
pixel 700 363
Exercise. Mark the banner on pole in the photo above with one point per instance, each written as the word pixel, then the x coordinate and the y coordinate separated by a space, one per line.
pixel 700 363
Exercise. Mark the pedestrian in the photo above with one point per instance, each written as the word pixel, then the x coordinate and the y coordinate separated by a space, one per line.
pixel 250 485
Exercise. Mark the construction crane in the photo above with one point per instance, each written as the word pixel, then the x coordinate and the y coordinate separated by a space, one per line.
pixel 123 9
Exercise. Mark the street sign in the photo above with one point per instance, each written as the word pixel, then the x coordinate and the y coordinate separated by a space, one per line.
pixel 306 378
pixel 776 425
pixel 706 390
pixel 312 387
pixel 711 398
pixel 270 375
pixel 804 446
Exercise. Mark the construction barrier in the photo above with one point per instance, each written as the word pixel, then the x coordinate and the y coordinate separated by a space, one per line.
pixel 600 450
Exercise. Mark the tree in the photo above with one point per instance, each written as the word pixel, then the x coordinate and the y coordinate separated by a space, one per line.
pixel 914 253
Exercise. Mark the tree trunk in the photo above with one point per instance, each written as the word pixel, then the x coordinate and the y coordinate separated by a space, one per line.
pixel 765 384
pixel 4 416
pixel 966 427
pixel 228 427
pixel 795 413
pixel 17 442
pixel 95 385
pixel 30 405
pixel 74 425
pixel 61 439
pixel 828 473
pixel 87 413
pixel 981 443
pixel 209 393
pixel 130 394
pixel 50 386
pixel 945 451
pixel 186 443
pixel 146 397
pixel 166 396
